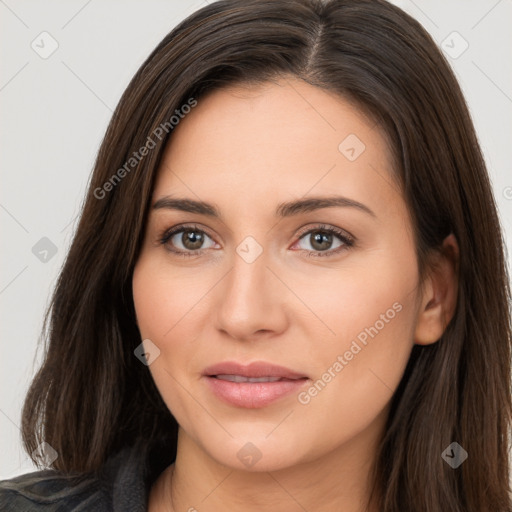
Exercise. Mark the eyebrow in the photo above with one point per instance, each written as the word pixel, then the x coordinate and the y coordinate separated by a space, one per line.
pixel 287 209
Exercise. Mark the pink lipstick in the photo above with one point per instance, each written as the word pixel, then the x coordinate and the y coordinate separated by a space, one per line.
pixel 254 385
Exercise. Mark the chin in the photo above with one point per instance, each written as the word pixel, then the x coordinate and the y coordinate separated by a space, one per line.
pixel 257 453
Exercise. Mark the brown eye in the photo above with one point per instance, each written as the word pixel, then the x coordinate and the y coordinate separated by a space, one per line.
pixel 186 240
pixel 324 241
pixel 192 240
pixel 321 241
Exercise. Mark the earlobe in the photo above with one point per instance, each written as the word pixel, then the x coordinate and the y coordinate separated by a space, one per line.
pixel 439 299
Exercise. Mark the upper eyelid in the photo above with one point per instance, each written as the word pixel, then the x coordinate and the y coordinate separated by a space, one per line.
pixel 180 228
pixel 326 227
pixel 339 232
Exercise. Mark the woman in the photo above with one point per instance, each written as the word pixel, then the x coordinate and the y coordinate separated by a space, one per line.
pixel 287 289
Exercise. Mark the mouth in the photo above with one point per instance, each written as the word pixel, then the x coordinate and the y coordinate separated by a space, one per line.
pixel 252 386
pixel 241 378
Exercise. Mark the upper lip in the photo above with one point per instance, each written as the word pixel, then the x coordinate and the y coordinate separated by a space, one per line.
pixel 254 369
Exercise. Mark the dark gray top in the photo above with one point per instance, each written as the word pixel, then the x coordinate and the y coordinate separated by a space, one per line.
pixel 122 484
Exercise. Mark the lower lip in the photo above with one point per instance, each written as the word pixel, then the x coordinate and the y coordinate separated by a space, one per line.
pixel 253 395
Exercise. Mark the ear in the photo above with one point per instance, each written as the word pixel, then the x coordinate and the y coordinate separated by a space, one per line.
pixel 439 298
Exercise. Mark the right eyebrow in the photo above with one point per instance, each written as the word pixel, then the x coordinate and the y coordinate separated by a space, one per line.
pixel 187 205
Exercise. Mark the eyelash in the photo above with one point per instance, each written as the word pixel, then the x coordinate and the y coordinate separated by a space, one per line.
pixel 347 240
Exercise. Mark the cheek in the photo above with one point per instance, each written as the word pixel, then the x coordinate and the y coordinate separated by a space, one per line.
pixel 371 311
pixel 163 298
pixel 367 296
pixel 355 382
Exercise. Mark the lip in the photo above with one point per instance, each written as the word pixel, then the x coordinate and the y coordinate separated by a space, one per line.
pixel 254 369
pixel 252 395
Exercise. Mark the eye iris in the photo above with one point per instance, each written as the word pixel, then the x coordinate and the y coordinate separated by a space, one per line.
pixel 192 239
pixel 321 238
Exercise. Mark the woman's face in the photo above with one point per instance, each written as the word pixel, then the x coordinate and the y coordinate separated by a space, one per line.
pixel 264 283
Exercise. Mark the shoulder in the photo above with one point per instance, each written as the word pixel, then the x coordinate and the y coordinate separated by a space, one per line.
pixel 50 490
pixel 121 484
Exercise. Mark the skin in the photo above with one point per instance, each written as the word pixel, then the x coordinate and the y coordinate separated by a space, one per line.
pixel 246 150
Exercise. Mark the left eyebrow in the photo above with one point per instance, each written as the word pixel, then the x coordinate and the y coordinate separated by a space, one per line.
pixel 316 203
pixel 287 209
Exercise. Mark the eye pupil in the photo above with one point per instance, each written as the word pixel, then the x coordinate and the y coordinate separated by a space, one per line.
pixel 192 239
pixel 321 238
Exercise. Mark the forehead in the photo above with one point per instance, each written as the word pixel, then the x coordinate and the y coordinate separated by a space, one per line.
pixel 276 140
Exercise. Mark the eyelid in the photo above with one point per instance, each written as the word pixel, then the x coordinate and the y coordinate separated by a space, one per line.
pixel 325 227
pixel 347 240
pixel 345 237
pixel 167 233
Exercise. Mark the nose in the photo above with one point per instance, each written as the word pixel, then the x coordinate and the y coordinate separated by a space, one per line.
pixel 250 303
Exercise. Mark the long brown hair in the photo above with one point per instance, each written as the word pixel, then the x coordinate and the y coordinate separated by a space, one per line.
pixel 92 396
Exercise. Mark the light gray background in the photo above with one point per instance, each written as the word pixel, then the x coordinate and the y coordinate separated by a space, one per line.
pixel 55 110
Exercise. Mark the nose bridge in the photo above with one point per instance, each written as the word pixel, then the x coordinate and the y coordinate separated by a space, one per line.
pixel 248 301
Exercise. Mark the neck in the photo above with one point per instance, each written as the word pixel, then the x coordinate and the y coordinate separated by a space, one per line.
pixel 336 481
